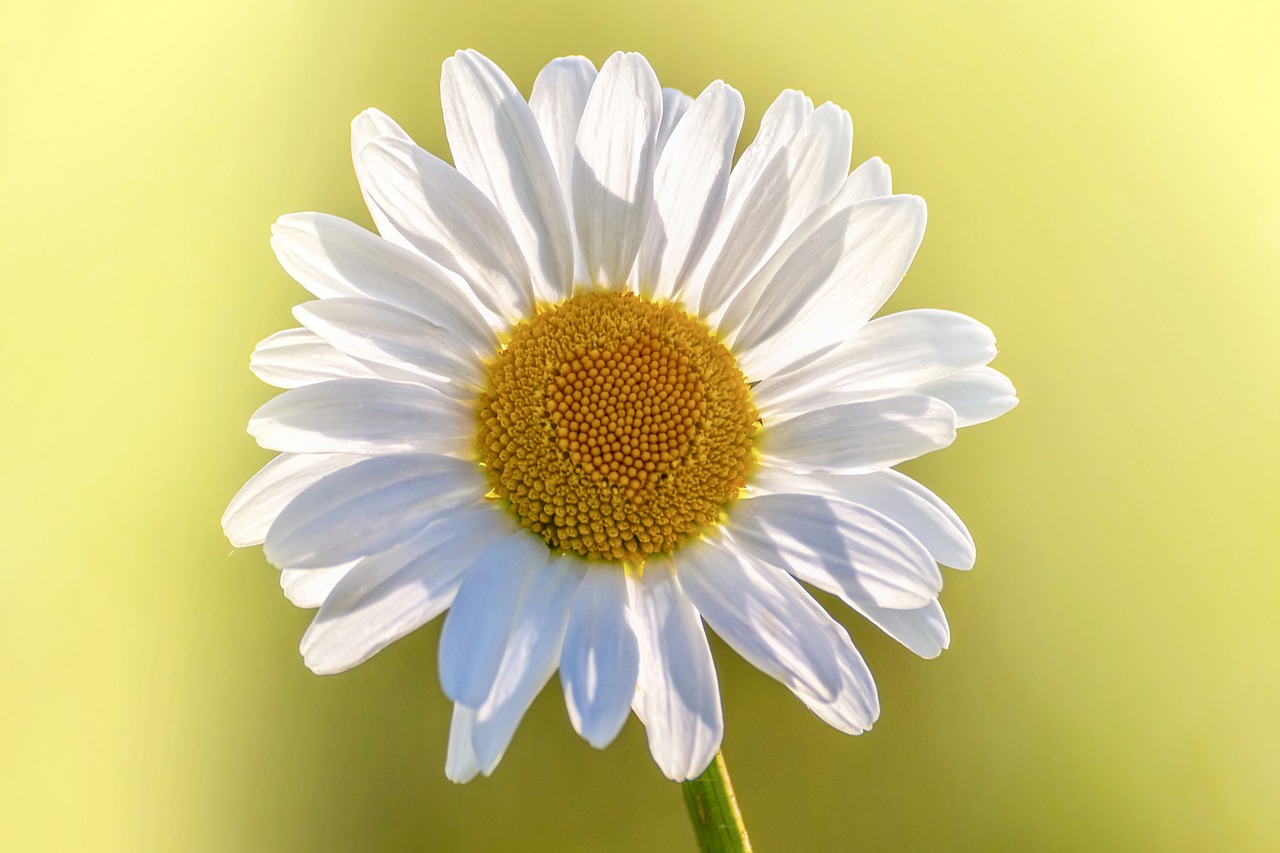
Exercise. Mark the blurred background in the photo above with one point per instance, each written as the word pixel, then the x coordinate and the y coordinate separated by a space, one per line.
pixel 1104 191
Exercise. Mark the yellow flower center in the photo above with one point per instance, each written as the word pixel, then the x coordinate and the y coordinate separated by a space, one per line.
pixel 615 427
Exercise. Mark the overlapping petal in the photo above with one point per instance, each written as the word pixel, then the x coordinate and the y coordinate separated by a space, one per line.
pixel 373 331
pixel 778 125
pixel 365 128
pixel 763 614
pixel 839 547
pixel 496 143
pixel 473 643
pixel 449 220
pixel 776 625
pixel 924 630
pixel 366 416
pixel 893 495
pixel 460 763
pixel 368 507
pixel 334 258
pixel 868 181
pixel 310 587
pixel 558 99
pixel 390 594
pixel 677 693
pixel 689 190
pixel 260 501
pixel 797 178
pixel 858 438
pixel 885 356
pixel 601 660
pixel 614 158
pixel 831 283
pixel 674 105
pixel 977 395
pixel 533 643
pixel 297 357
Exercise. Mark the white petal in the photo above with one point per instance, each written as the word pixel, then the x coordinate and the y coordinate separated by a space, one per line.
pixel 256 506
pixel 613 167
pixel 332 257
pixel 924 631
pixel 369 507
pixel 871 179
pixel 677 695
pixel 460 763
pixel 399 590
pixel 778 125
pixel 297 357
pixel 801 176
pixel 600 661
pixel 365 128
pixel 838 547
pixel 832 283
pixel 891 494
pixel 762 613
pixel 818 162
pixel 856 705
pixel 496 143
pixel 977 395
pixel 887 355
pixel 374 331
pixel 769 619
pixel 364 416
pixel 689 190
pixel 674 105
pixel 310 587
pixel 475 633
pixel 747 240
pixel 532 651
pixel 450 221
pixel 558 98
pixel 857 438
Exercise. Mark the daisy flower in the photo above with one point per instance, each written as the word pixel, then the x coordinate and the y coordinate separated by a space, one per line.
pixel 596 384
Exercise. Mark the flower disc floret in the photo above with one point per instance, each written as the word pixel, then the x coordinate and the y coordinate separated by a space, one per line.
pixel 615 427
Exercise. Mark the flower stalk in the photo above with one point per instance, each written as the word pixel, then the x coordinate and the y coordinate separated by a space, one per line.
pixel 713 809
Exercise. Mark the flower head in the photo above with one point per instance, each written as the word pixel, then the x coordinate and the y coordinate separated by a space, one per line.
pixel 596 384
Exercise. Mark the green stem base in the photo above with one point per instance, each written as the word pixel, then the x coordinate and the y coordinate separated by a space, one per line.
pixel 717 823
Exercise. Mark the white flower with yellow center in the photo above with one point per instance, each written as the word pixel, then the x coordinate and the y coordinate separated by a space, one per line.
pixel 596 384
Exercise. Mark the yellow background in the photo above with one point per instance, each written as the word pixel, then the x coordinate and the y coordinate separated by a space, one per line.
pixel 1104 191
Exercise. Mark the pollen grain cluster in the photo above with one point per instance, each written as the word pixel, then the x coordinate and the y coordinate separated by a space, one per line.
pixel 615 427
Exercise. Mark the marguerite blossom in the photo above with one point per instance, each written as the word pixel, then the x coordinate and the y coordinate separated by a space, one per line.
pixel 597 384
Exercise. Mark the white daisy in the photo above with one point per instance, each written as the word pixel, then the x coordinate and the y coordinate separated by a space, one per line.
pixel 597 384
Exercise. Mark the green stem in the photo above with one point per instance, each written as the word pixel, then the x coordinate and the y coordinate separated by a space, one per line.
pixel 717 823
